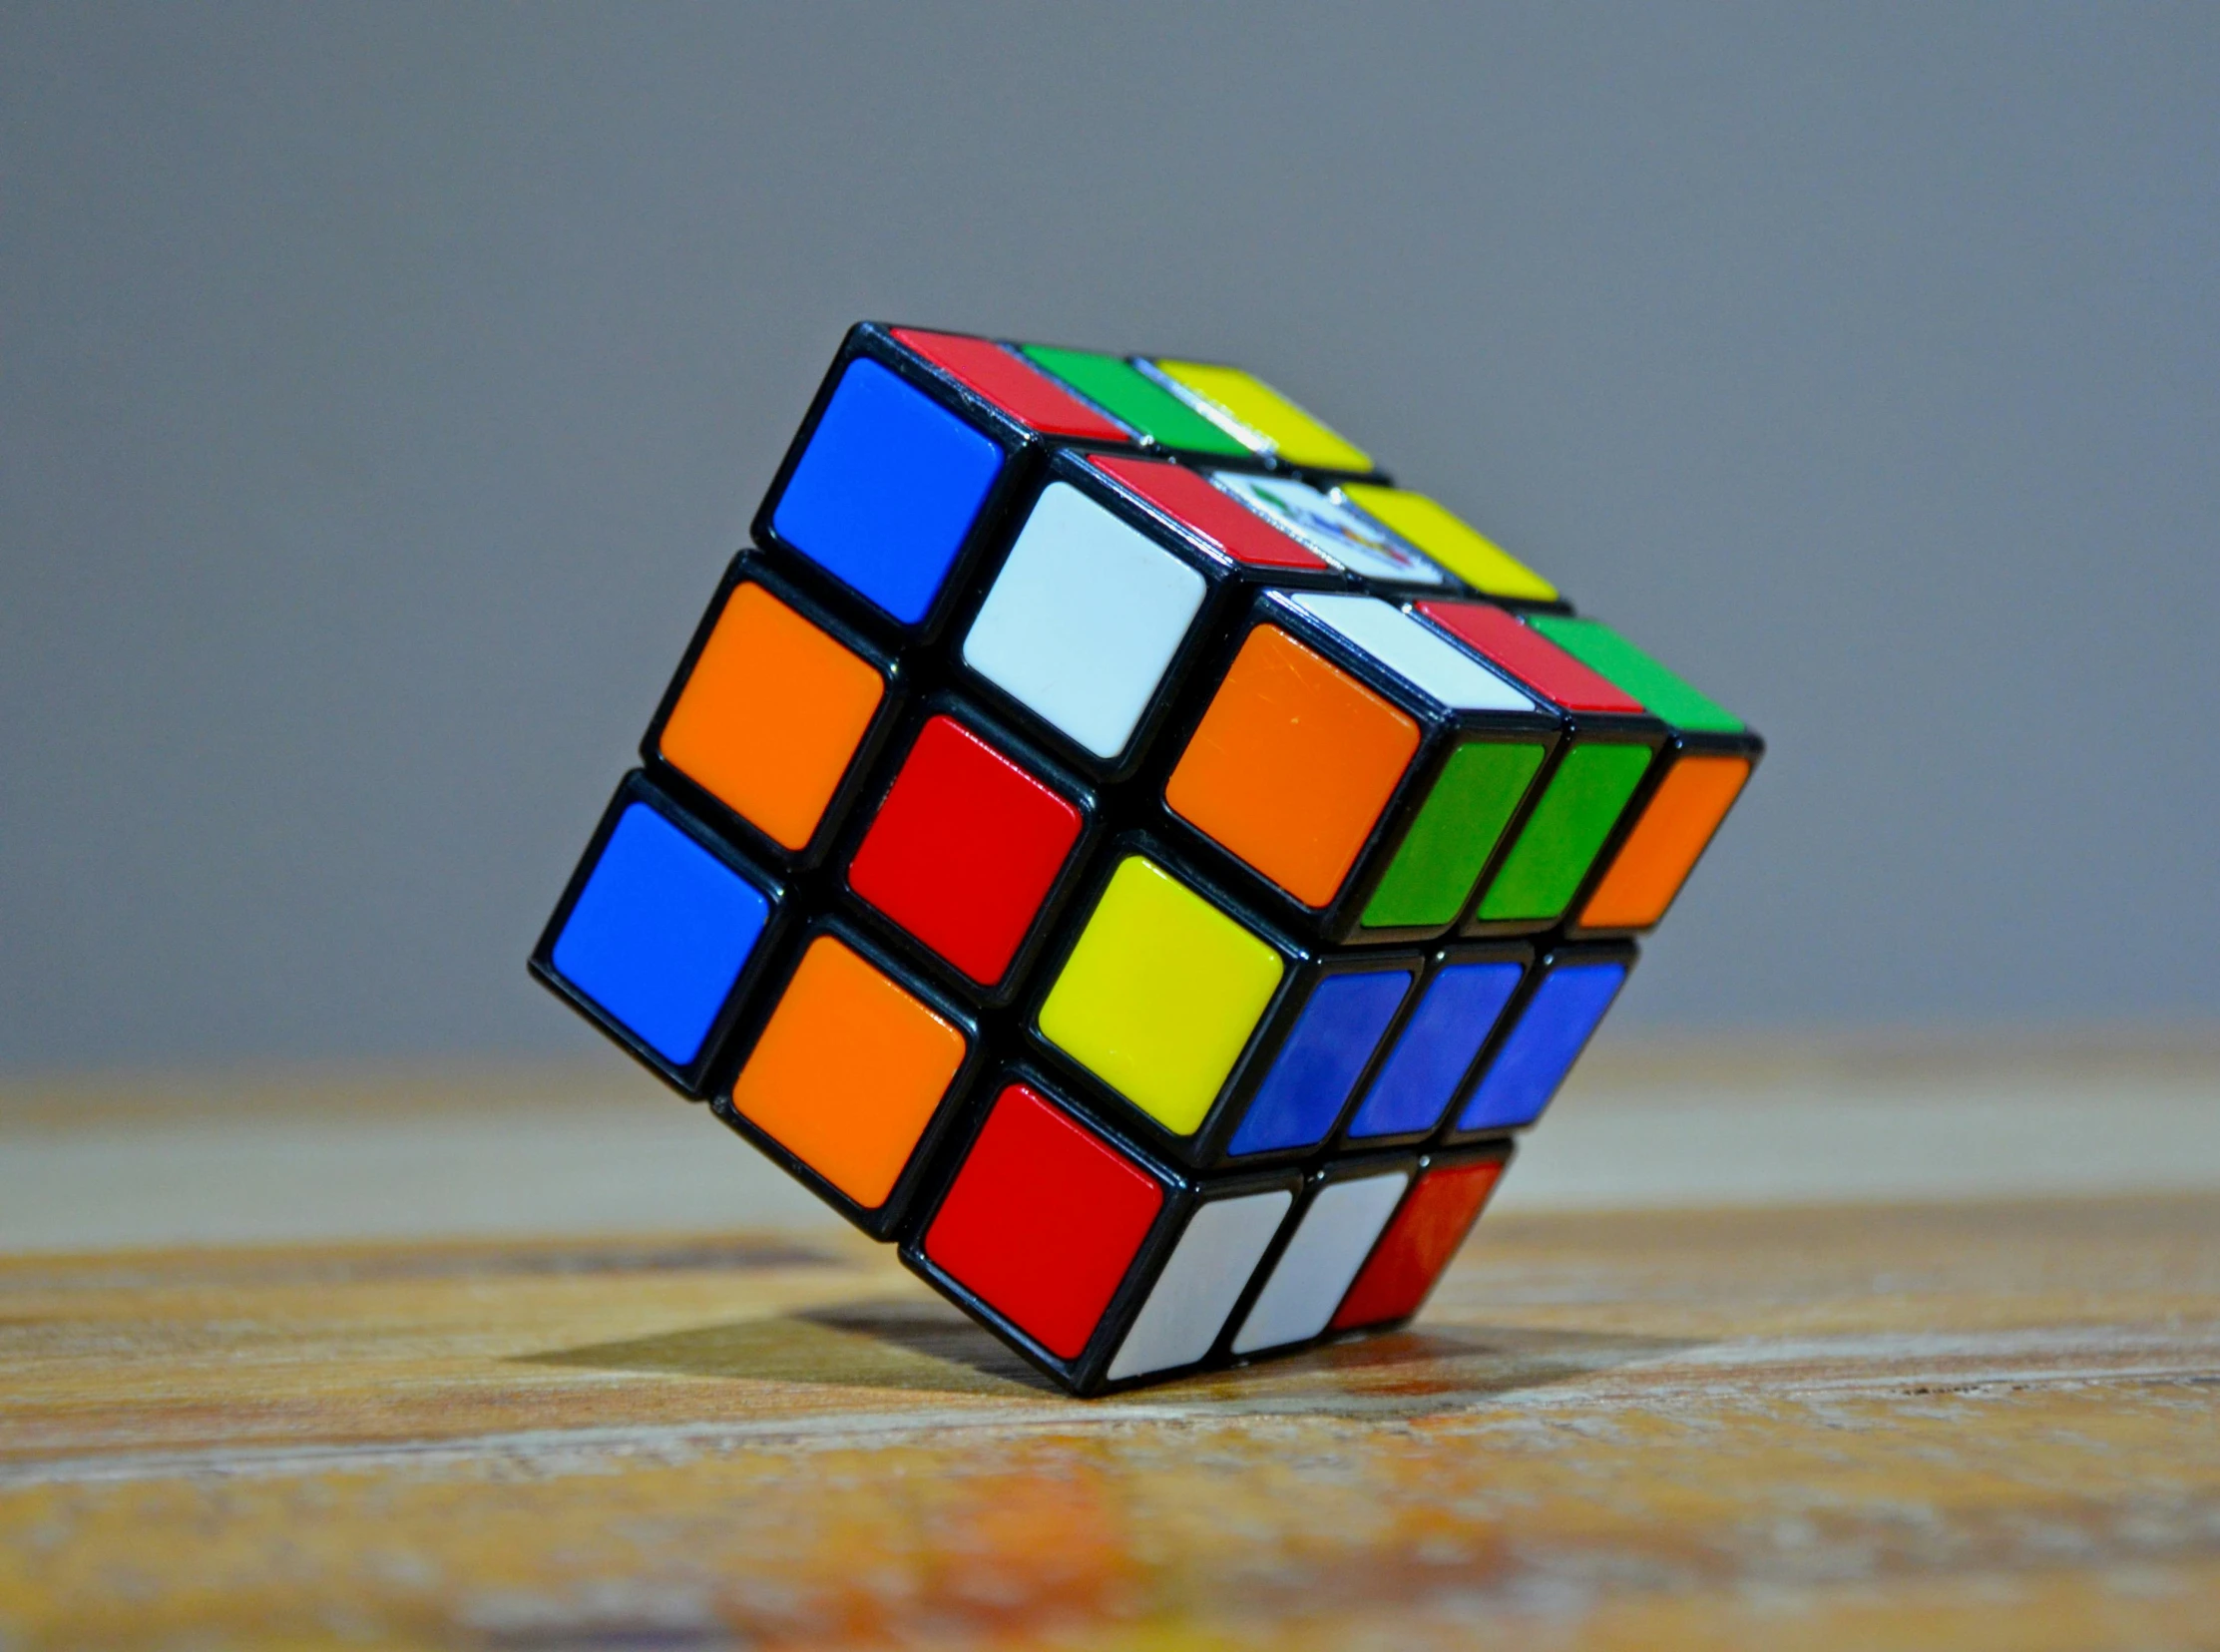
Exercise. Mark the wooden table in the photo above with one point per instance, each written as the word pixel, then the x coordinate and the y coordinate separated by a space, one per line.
pixel 1976 1424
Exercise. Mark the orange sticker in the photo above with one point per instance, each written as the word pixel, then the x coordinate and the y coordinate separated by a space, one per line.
pixel 1663 847
pixel 849 1071
pixel 770 716
pixel 1291 765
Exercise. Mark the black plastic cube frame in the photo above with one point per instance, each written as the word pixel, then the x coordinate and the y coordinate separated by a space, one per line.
pixel 1547 961
pixel 1442 731
pixel 1301 968
pixel 1044 768
pixel 883 1222
pixel 1347 1167
pixel 1461 951
pixel 695 1079
pixel 1182 1190
pixel 1678 744
pixel 750 569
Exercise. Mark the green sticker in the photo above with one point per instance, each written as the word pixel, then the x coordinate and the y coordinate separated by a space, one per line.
pixel 1543 870
pixel 1602 650
pixel 1121 390
pixel 1454 832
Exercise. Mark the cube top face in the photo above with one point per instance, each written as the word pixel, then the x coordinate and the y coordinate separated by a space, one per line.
pixel 1441 534
pixel 885 491
pixel 967 848
pixel 1082 624
pixel 850 1072
pixel 1213 514
pixel 1570 993
pixel 1143 403
pixel 774 714
pixel 660 931
pixel 1343 536
pixel 1043 1220
pixel 1159 994
pixel 1011 383
pixel 1659 690
pixel 1259 417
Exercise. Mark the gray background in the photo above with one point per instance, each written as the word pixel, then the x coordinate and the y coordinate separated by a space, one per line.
pixel 382 390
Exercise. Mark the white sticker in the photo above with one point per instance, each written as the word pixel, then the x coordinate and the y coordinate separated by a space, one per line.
pixel 1315 1271
pixel 1201 1284
pixel 1411 651
pixel 1084 619
pixel 1335 531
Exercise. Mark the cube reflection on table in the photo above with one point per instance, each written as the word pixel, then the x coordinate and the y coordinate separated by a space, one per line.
pixel 1109 840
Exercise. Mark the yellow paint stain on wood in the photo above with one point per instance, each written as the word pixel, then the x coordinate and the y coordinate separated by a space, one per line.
pixel 1966 1426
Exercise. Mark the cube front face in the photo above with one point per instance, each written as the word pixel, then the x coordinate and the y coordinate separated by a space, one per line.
pixel 1111 841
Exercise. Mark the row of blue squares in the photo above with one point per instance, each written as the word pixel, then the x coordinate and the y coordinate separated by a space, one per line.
pixel 660 933
pixel 1558 1020
pixel 1420 1076
pixel 1321 1060
pixel 886 491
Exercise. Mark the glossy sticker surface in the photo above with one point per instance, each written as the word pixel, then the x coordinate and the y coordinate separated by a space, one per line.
pixel 1188 1305
pixel 1435 1049
pixel 1523 653
pixel 1011 383
pixel 1660 690
pixel 1161 993
pixel 1553 1030
pixel 1320 1061
pixel 1043 1220
pixel 1451 540
pixel 1292 764
pixel 1448 844
pixel 771 715
pixel 1124 392
pixel 965 849
pixel 1314 1271
pixel 849 1070
pixel 1415 653
pixel 660 933
pixel 1666 842
pixel 1209 511
pixel 1560 839
pixel 1083 621
pixel 885 494
pixel 1342 535
pixel 1426 1233
pixel 1266 420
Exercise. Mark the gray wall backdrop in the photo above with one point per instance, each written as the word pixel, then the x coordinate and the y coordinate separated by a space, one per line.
pixel 383 388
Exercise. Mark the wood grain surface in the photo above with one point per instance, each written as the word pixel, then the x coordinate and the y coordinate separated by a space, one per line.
pixel 1972 1423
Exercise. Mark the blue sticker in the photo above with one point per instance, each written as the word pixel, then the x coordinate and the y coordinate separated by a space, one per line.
pixel 1419 1078
pixel 887 490
pixel 660 933
pixel 1319 1063
pixel 1542 1049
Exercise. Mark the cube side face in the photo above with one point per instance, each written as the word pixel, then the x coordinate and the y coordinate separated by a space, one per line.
pixel 852 1073
pixel 776 716
pixel 1333 1040
pixel 1183 1312
pixel 1327 1241
pixel 662 935
pixel 894 486
pixel 972 849
pixel 1670 830
pixel 1437 1046
pixel 1543 1035
pixel 1445 1202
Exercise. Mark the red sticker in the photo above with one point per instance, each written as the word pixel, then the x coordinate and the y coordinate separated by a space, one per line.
pixel 1189 499
pixel 1498 638
pixel 1013 384
pixel 1418 1244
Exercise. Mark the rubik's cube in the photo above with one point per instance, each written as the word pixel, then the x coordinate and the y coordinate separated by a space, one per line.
pixel 1110 841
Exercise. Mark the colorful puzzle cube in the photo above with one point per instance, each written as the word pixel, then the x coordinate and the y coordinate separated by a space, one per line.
pixel 1110 842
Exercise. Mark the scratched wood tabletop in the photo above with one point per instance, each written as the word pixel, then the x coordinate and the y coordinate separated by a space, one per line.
pixel 1965 1423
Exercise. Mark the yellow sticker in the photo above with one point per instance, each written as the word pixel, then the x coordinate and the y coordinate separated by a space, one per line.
pixel 1254 412
pixel 1160 995
pixel 1451 540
